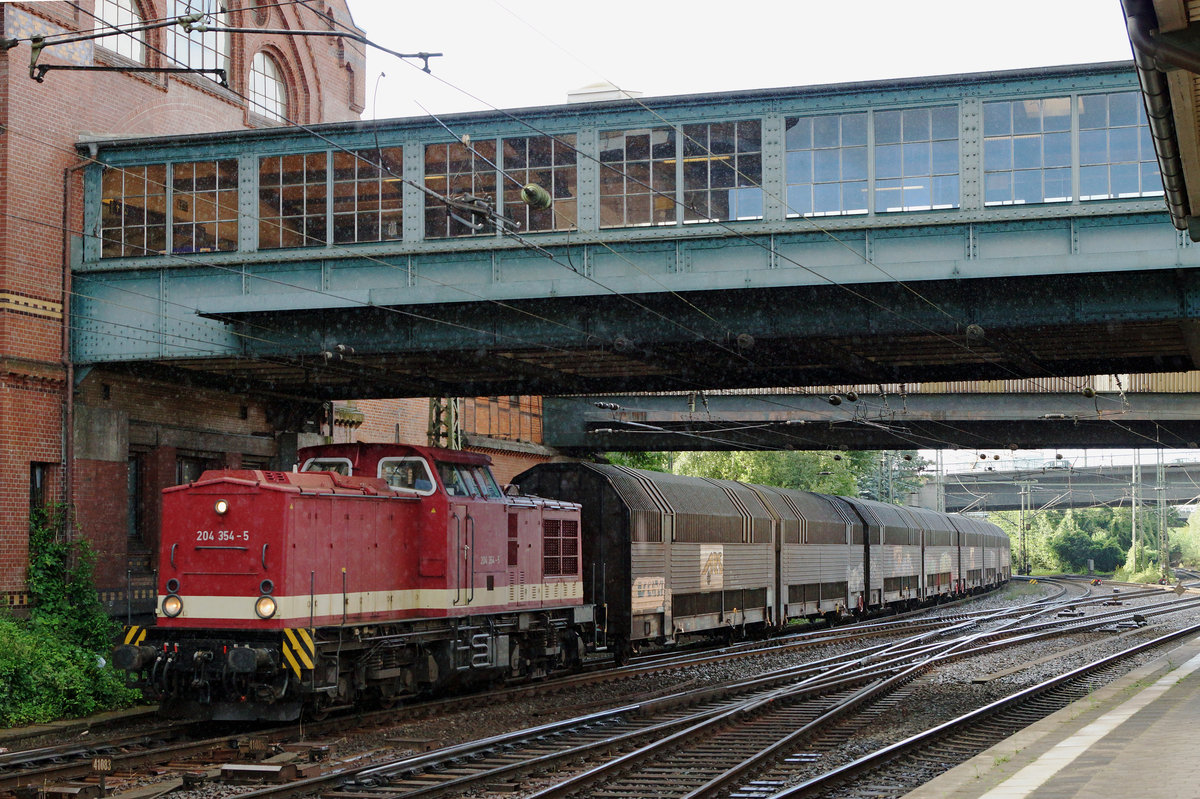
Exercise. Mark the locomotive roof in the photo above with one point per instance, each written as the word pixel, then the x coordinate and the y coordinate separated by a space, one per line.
pixel 360 452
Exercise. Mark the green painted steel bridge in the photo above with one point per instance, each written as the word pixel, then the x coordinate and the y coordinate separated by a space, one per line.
pixel 998 226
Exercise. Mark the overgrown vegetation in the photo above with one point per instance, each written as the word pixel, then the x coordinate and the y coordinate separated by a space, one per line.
pixel 1064 541
pixel 53 663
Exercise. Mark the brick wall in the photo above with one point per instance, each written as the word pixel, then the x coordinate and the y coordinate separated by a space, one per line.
pixel 31 410
pixel 100 488
pixel 507 418
pixel 507 465
pixel 407 420
pixel 389 421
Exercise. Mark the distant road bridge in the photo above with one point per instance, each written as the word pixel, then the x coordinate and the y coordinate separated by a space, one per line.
pixel 1071 487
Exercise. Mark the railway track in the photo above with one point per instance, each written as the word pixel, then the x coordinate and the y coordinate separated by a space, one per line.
pixel 603 735
pixel 663 753
pixel 897 769
pixel 163 743
pixel 730 759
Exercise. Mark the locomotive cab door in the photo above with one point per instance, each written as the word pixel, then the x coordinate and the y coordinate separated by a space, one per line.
pixel 460 522
pixel 476 510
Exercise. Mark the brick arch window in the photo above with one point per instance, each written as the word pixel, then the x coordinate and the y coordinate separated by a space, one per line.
pixel 121 14
pixel 208 49
pixel 268 91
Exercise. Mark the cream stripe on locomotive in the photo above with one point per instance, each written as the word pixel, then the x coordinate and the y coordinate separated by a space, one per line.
pixel 356 603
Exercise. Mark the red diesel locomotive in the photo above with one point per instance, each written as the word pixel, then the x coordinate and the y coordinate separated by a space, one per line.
pixel 376 571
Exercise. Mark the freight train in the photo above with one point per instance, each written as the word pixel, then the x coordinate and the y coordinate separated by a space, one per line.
pixel 376 572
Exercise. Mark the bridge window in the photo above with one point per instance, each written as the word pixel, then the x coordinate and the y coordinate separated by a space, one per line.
pixel 1027 151
pixel 367 190
pixel 121 13
pixel 208 49
pixel 457 171
pixel 722 171
pixel 291 196
pixel 826 165
pixel 134 211
pixel 204 206
pixel 1116 154
pixel 637 177
pixel 548 161
pixel 916 159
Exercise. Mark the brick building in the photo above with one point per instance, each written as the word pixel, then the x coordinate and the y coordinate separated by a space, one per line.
pixel 127 437
pixel 507 429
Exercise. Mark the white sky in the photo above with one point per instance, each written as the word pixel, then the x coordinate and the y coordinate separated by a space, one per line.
pixel 515 53
pixel 518 53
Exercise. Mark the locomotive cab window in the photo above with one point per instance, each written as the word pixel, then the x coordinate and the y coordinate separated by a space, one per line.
pixel 487 483
pixel 456 485
pixel 340 466
pixel 407 474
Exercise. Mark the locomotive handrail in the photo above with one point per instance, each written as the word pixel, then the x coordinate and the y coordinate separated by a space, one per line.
pixel 471 556
pixel 173 553
pixel 264 557
pixel 457 557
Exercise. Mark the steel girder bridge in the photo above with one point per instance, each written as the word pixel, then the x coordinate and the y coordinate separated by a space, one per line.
pixel 879 233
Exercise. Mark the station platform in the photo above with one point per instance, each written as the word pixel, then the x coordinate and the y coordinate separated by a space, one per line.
pixel 1135 737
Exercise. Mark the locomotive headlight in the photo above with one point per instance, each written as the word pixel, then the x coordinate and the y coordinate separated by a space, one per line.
pixel 172 606
pixel 265 607
pixel 221 507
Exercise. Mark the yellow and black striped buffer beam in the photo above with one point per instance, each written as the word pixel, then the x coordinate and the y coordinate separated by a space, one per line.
pixel 135 635
pixel 299 650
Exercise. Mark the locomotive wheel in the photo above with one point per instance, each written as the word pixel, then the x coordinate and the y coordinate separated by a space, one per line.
pixel 320 708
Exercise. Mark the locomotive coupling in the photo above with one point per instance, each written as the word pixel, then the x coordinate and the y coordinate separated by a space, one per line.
pixel 133 658
pixel 244 660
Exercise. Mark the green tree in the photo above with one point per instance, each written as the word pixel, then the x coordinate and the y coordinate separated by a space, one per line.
pixel 890 476
pixel 52 664
pixel 650 461
pixel 827 472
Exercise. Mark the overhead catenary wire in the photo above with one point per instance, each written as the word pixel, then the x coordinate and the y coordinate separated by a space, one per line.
pixel 858 295
pixel 730 229
pixel 399 379
pixel 821 228
pixel 118 30
pixel 757 243
pixel 531 245
pixel 427 191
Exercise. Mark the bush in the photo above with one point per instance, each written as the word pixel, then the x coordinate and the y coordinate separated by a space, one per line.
pixel 1149 574
pixel 53 663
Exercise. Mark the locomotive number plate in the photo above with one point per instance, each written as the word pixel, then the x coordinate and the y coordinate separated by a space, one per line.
pixel 223 535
